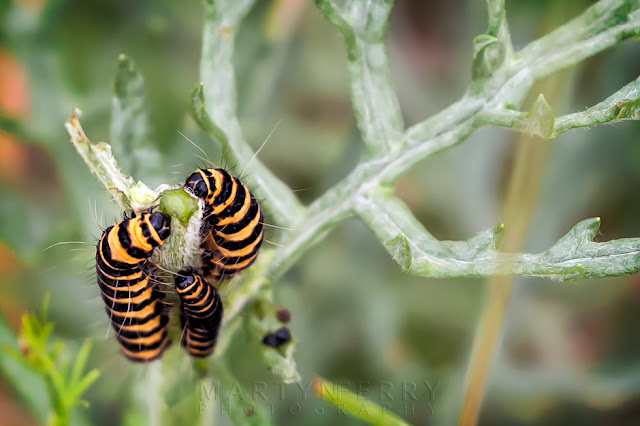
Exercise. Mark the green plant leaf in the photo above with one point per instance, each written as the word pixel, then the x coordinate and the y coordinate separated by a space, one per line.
pixel 80 363
pixel 131 130
pixel 489 54
pixel 354 405
pixel 603 25
pixel 177 203
pixel 47 361
pixel 84 384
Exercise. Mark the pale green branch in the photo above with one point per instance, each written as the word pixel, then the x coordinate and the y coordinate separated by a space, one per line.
pixel 368 19
pixel 323 214
pixel 573 257
pixel 498 26
pixel 375 105
pixel 216 99
pixel 147 393
pixel 600 27
pixel 622 105
pixel 98 157
pixel 221 20
pixel 611 17
pixel 605 28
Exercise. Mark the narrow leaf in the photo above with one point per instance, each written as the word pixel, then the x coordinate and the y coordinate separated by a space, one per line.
pixel 84 383
pixel 80 363
pixel 131 130
pixel 44 307
pixel 489 55
pixel 353 404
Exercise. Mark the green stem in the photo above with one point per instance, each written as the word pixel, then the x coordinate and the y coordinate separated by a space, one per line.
pixel 354 404
pixel 374 101
pixel 219 95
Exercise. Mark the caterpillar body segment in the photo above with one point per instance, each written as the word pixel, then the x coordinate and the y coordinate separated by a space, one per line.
pixel 233 229
pixel 125 277
pixel 200 313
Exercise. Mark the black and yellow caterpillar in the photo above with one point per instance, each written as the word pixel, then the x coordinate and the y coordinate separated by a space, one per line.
pixel 132 302
pixel 200 312
pixel 233 223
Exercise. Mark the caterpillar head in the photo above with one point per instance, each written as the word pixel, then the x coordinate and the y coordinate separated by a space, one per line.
pixel 185 278
pixel 199 184
pixel 161 223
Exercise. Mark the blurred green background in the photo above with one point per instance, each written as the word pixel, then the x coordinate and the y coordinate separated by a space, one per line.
pixel 571 352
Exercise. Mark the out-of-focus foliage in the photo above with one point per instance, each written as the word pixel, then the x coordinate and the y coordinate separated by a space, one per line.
pixel 355 317
pixel 354 404
pixel 64 381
